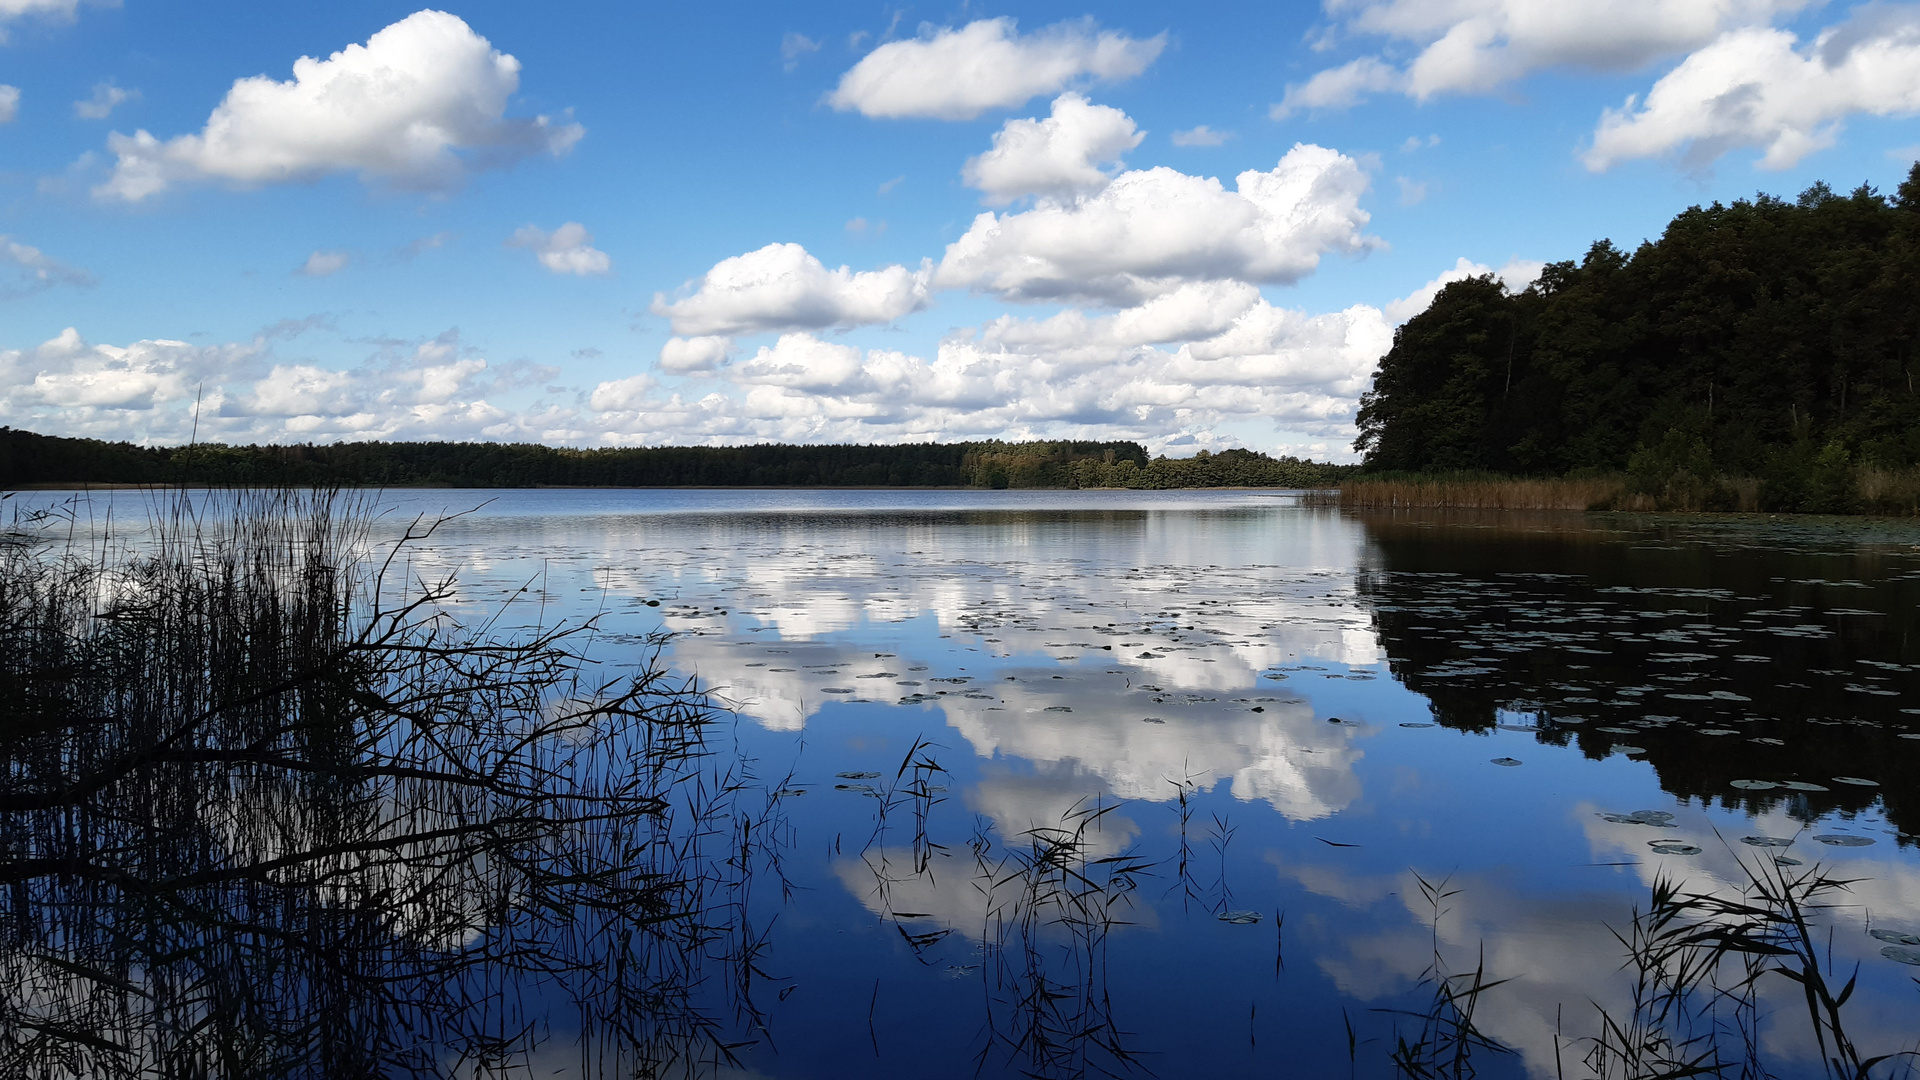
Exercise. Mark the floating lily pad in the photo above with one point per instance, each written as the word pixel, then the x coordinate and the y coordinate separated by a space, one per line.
pixel 1240 918
pixel 1507 761
pixel 1802 785
pixel 1844 840
pixel 1057 708
pixel 836 689
pixel 857 775
pixel 1896 937
pixel 1672 847
pixel 1151 720
pixel 1718 731
pixel 1623 748
pixel 1659 819
pixel 1766 841
pixel 864 789
pixel 1617 730
pixel 1856 781
pixel 1416 725
pixel 784 792
pixel 1782 860
pixel 1766 741
pixel 1754 785
pixel 1908 735
pixel 1901 954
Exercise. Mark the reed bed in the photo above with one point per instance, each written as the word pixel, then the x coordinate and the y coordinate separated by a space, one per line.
pixel 268 810
pixel 1481 493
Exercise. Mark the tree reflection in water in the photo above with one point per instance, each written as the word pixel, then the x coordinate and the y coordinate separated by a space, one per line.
pixel 269 809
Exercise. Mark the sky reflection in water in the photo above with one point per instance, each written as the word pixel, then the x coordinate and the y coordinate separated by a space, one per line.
pixel 1330 694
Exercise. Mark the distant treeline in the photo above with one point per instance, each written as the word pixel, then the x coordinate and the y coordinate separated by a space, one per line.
pixel 27 458
pixel 1760 353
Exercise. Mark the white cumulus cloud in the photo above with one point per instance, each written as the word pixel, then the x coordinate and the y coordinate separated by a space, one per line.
pixel 782 287
pixel 686 356
pixel 1150 230
pixel 950 74
pixel 1476 46
pixel 12 10
pixel 1758 88
pixel 566 250
pixel 1517 274
pixel 1058 157
pixel 418 106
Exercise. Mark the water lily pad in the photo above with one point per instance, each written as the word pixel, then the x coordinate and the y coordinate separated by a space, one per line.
pixel 1058 708
pixel 1802 785
pixel 1754 785
pixel 1240 918
pixel 1844 840
pixel 1896 937
pixel 836 689
pixel 1766 841
pixel 1766 741
pixel 1672 847
pixel 1856 781
pixel 1623 748
pixel 1416 725
pixel 857 775
pixel 1901 954
pixel 1507 761
pixel 1658 819
pixel 1782 860
pixel 1718 731
pixel 863 789
pixel 1617 730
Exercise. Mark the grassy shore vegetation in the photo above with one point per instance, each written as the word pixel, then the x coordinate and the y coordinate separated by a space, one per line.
pixel 1757 356
pixel 27 458
pixel 267 809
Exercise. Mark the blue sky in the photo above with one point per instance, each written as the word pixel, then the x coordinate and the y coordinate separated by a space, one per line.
pixel 608 224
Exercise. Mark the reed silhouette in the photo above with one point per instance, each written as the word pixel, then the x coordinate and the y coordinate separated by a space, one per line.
pixel 268 808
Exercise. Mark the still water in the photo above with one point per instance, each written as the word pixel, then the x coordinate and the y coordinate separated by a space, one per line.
pixel 1226 784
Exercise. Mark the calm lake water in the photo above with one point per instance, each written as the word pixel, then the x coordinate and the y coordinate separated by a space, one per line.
pixel 1223 784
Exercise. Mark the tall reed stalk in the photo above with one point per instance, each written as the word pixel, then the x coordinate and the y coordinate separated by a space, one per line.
pixel 267 809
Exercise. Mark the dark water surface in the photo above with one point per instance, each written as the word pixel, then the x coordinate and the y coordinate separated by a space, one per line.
pixel 1220 784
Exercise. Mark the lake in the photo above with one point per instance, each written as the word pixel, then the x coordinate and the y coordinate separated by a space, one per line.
pixel 1228 783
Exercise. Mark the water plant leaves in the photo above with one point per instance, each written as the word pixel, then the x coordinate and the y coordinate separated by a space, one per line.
pixel 1672 847
pixel 1895 937
pixel 1507 761
pixel 1766 841
pixel 1754 785
pixel 1856 781
pixel 1802 785
pixel 1844 840
pixel 1900 954
pixel 1240 918
pixel 857 775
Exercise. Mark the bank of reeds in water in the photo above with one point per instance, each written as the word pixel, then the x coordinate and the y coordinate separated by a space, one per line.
pixel 1480 493
pixel 268 810
pixel 1866 490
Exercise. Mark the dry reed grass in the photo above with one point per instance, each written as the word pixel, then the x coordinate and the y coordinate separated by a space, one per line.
pixel 1890 491
pixel 1483 493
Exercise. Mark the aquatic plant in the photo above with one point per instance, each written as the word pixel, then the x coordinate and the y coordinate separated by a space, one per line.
pixel 268 808
pixel 1697 959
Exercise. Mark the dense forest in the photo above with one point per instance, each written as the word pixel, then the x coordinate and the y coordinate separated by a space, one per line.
pixel 1760 352
pixel 27 459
